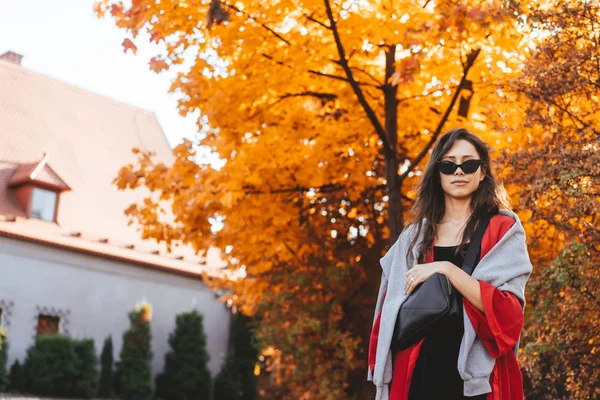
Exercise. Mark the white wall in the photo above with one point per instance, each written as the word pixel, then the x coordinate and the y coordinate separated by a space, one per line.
pixel 98 293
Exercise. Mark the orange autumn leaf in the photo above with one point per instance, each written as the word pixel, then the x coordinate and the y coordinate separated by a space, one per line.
pixel 128 45
pixel 156 37
pixel 158 65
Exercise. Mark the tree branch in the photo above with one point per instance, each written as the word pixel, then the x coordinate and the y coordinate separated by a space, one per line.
pixel 318 95
pixel 369 75
pixel 324 97
pixel 402 195
pixel 327 188
pixel 312 71
pixel 553 102
pixel 277 35
pixel 391 147
pixel 471 57
pixel 341 78
pixel 310 18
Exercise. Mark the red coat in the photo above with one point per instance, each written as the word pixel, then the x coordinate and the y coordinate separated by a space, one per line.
pixel 498 329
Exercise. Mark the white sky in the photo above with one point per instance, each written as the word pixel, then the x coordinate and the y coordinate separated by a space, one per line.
pixel 64 40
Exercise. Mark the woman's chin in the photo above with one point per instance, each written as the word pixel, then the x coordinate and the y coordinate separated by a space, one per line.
pixel 460 192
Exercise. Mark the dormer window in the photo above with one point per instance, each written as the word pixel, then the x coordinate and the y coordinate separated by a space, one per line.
pixel 43 204
pixel 37 187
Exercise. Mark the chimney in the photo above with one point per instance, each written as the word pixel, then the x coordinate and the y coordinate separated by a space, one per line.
pixel 12 57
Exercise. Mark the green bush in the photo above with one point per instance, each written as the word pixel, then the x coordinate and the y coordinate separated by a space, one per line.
pixel 3 372
pixel 59 366
pixel 86 382
pixel 105 389
pixel 236 380
pixel 50 366
pixel 186 375
pixel 133 369
pixel 16 378
pixel 227 381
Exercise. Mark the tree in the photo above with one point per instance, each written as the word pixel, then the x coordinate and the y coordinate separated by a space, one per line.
pixel 323 112
pixel 105 388
pixel 556 181
pixel 227 381
pixel 236 380
pixel 134 369
pixel 186 375
pixel 16 378
pixel 3 359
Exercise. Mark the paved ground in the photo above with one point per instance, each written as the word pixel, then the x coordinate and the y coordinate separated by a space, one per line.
pixel 14 397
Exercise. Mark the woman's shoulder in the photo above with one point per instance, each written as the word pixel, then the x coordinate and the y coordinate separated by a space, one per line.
pixel 499 225
pixel 504 221
pixel 409 230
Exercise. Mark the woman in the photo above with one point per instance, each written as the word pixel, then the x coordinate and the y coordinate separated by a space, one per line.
pixel 475 355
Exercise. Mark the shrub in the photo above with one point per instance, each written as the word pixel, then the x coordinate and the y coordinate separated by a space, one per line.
pixel 227 381
pixel 106 374
pixel 133 369
pixel 236 380
pixel 86 380
pixel 186 374
pixel 59 366
pixel 50 366
pixel 16 378
pixel 3 357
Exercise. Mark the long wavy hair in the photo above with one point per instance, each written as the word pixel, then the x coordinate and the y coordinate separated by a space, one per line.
pixel 429 206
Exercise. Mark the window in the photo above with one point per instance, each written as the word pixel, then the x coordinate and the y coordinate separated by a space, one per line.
pixel 43 204
pixel 47 324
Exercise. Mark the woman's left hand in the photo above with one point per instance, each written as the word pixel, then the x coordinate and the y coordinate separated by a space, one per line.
pixel 420 272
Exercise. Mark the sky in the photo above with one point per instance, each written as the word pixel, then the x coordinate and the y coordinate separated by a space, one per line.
pixel 63 39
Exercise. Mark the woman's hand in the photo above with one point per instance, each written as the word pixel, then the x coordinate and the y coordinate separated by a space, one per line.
pixel 420 272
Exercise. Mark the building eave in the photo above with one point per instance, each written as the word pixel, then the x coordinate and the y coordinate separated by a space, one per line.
pixel 108 256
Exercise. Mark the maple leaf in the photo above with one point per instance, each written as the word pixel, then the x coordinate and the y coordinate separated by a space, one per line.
pixel 158 64
pixel 156 37
pixel 128 45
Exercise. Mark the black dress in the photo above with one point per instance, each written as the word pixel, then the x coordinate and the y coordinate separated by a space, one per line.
pixel 435 375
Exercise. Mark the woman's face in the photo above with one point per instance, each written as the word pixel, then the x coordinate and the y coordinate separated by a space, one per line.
pixel 460 185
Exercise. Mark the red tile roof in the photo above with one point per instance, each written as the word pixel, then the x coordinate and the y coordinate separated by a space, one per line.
pixel 87 138
pixel 38 172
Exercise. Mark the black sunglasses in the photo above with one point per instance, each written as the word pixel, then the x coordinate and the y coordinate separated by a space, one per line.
pixel 468 167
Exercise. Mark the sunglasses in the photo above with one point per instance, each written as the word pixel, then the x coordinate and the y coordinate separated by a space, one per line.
pixel 468 167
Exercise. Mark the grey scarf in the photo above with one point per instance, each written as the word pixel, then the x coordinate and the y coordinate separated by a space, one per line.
pixel 506 266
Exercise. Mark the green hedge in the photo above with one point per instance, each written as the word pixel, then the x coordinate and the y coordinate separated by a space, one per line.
pixel 62 367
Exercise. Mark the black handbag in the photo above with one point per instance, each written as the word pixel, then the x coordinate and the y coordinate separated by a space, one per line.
pixel 434 300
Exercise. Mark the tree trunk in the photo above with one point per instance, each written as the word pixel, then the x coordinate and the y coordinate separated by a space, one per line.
pixel 395 220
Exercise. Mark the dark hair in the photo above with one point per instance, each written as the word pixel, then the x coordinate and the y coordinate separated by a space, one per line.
pixel 489 197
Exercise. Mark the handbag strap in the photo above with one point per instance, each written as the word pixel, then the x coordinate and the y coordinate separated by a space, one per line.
pixel 475 243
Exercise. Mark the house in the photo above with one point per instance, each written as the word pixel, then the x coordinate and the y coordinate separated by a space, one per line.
pixel 69 262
